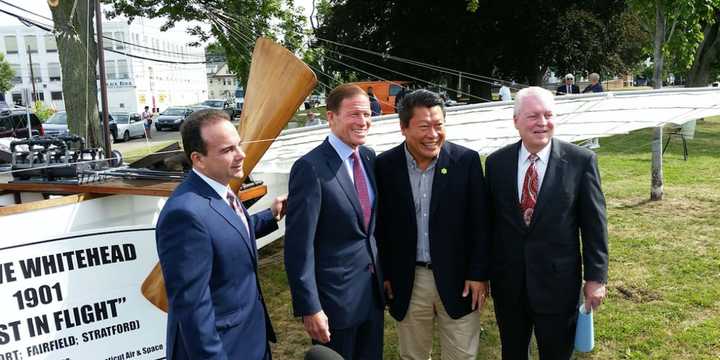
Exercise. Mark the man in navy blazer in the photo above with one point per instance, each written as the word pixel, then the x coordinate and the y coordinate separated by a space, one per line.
pixel 330 250
pixel 568 86
pixel 432 234
pixel 549 233
pixel 207 250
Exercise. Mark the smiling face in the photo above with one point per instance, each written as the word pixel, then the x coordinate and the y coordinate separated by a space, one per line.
pixel 224 158
pixel 534 122
pixel 351 122
pixel 425 134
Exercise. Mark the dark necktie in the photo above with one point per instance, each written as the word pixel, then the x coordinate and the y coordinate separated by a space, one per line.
pixel 529 190
pixel 361 188
pixel 235 205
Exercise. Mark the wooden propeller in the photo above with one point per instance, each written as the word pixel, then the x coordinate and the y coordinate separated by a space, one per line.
pixel 278 84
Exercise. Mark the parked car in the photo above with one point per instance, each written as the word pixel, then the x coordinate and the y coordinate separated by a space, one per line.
pixel 221 104
pixel 129 125
pixel 56 125
pixel 13 123
pixel 172 118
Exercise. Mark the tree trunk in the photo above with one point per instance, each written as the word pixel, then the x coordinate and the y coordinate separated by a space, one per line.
pixel 78 56
pixel 707 55
pixel 656 186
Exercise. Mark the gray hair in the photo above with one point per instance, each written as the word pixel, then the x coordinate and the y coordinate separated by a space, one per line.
pixel 533 91
pixel 594 77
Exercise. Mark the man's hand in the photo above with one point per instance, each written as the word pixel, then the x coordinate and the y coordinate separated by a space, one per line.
pixel 279 206
pixel 388 289
pixel 479 290
pixel 317 327
pixel 594 293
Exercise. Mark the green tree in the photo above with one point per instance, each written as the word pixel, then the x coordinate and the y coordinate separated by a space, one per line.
pixel 706 63
pixel 6 74
pixel 77 50
pixel 236 24
pixel 518 40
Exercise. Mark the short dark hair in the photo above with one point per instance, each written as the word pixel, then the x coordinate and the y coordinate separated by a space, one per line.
pixel 418 98
pixel 190 130
pixel 340 93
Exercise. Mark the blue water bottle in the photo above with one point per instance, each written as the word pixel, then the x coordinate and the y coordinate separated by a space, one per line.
pixel 584 331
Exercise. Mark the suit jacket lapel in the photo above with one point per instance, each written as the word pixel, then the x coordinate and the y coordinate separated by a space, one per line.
pixel 338 168
pixel 221 207
pixel 513 164
pixel 551 181
pixel 403 185
pixel 441 178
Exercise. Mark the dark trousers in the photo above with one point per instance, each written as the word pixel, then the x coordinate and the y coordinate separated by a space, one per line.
pixel 361 342
pixel 554 333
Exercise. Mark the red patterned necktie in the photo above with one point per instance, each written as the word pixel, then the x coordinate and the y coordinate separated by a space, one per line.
pixel 235 205
pixel 529 190
pixel 361 188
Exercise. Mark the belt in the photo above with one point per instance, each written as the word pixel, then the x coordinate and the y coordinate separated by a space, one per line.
pixel 424 264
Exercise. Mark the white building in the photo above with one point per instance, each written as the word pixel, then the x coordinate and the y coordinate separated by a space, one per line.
pixel 221 82
pixel 132 82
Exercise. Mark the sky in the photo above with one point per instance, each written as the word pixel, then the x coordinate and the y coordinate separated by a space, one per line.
pixel 41 7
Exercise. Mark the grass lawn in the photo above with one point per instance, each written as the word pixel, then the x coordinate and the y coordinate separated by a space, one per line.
pixel 664 289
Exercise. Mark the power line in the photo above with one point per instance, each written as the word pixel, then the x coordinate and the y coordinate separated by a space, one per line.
pixel 22 19
pixel 48 29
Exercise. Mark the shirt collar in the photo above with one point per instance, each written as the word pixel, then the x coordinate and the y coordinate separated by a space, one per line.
pixel 342 149
pixel 411 160
pixel 543 155
pixel 219 188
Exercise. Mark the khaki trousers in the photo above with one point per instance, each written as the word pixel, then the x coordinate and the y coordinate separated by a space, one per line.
pixel 459 339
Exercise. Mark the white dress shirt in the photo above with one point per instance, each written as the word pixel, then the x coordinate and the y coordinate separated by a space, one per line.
pixel 344 151
pixel 222 190
pixel 524 164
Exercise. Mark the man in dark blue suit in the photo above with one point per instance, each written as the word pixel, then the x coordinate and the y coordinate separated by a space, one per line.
pixel 432 234
pixel 330 251
pixel 207 250
pixel 568 87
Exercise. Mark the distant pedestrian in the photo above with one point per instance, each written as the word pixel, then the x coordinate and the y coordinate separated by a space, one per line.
pixel 374 103
pixel 594 87
pixel 505 94
pixel 398 98
pixel 568 87
pixel 147 119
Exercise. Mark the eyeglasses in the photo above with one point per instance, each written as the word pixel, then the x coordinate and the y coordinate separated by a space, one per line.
pixel 569 78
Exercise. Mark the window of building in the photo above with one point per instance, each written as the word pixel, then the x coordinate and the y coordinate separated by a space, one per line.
pixel 122 69
pixel 50 44
pixel 17 98
pixel 36 72
pixel 110 72
pixel 11 44
pixel 39 96
pixel 17 79
pixel 56 95
pixel 54 71
pixel 31 42
pixel 119 37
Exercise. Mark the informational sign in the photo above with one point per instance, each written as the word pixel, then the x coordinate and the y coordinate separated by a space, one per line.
pixel 78 297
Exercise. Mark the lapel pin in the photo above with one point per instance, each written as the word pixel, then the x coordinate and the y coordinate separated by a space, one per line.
pixel 443 171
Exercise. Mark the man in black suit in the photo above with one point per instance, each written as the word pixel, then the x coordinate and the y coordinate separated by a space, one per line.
pixel 568 87
pixel 330 249
pixel 432 233
pixel 549 233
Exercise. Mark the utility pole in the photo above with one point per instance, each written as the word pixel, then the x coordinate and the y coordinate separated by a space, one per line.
pixel 103 81
pixel 32 76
